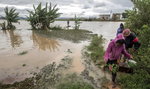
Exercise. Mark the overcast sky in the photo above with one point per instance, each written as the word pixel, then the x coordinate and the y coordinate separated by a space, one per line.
pixel 83 8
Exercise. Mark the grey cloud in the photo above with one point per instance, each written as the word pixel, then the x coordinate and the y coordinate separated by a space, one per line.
pixel 125 3
pixel 102 4
pixel 85 5
pixel 35 2
pixel 101 10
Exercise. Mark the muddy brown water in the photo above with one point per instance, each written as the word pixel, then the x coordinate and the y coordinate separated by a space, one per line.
pixel 41 50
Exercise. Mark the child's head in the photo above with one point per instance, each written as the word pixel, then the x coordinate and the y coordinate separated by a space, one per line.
pixel 120 42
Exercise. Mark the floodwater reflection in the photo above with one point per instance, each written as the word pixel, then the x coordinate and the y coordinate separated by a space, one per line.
pixel 15 39
pixel 45 43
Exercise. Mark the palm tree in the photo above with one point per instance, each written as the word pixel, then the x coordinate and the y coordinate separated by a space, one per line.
pixel 11 16
pixel 41 18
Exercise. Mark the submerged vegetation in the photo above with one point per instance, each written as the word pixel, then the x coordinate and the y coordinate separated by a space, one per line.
pixel 23 53
pixel 72 35
pixel 41 18
pixel 138 20
pixel 11 16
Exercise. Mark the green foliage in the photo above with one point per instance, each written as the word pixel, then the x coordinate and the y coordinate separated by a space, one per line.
pixel 11 16
pixel 143 55
pixel 141 77
pixel 113 67
pixel 96 48
pixel 41 18
pixel 138 80
pixel 77 23
pixel 124 15
pixel 140 14
pixel 138 21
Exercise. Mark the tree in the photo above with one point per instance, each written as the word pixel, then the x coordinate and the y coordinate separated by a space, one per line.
pixel 141 12
pixel 11 16
pixel 138 21
pixel 77 23
pixel 41 18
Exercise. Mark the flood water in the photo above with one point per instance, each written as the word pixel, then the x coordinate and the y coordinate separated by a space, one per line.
pixel 41 50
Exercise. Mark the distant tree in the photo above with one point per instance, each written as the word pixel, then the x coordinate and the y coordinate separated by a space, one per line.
pixel 41 18
pixel 11 17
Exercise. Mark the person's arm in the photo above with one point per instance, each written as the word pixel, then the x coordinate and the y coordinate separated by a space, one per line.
pixel 136 43
pixel 125 53
pixel 108 50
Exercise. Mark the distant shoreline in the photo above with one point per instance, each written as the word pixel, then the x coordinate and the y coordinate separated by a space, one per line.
pixel 84 20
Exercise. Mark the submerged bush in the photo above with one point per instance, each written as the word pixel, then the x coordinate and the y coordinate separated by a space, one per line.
pixel 41 18
pixel 23 53
pixel 11 17
pixel 56 28
pixel 75 36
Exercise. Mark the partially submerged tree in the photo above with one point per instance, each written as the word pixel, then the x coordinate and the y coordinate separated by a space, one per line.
pixel 11 17
pixel 41 18
pixel 77 23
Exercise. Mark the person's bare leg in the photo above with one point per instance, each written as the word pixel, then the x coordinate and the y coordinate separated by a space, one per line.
pixel 113 80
